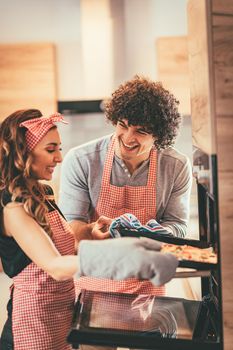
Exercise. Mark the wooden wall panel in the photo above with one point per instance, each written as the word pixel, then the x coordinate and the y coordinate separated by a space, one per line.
pixel 223 63
pixel 27 78
pixel 223 73
pixel 222 7
pixel 201 84
pixel 224 143
pixel 173 69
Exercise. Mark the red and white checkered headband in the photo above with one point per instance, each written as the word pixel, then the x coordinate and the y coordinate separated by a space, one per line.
pixel 38 127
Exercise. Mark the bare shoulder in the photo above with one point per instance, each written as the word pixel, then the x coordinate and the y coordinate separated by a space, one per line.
pixel 13 205
pixel 12 214
pixel 15 211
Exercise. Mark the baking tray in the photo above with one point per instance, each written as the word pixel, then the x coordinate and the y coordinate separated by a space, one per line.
pixel 168 238
pixel 201 266
pixel 163 236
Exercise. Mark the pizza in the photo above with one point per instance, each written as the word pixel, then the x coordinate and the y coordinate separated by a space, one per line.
pixel 186 252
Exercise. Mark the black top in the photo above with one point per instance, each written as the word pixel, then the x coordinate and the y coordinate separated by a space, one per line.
pixel 14 260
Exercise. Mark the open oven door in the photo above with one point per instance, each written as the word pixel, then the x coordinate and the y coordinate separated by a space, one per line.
pixel 144 322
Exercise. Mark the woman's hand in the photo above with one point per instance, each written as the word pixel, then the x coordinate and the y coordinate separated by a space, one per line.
pixel 126 257
pixel 101 228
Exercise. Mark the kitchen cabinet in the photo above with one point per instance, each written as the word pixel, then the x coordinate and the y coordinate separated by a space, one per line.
pixel 27 78
pixel 173 68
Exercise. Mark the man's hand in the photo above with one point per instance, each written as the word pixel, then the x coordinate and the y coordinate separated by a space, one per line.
pixel 101 228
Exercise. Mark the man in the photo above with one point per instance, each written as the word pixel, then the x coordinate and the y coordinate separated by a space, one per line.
pixel 133 171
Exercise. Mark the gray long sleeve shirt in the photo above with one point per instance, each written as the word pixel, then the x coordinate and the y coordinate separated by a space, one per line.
pixel 81 177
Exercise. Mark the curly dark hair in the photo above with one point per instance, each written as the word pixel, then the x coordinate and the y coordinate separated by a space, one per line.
pixel 146 103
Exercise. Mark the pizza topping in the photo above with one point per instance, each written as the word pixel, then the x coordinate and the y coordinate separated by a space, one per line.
pixel 186 252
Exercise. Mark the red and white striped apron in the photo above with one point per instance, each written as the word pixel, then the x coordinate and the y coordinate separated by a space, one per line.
pixel 43 307
pixel 114 201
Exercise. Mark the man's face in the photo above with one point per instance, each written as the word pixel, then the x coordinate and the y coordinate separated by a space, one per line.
pixel 133 142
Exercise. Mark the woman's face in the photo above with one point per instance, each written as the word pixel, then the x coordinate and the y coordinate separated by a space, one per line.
pixel 46 155
pixel 133 142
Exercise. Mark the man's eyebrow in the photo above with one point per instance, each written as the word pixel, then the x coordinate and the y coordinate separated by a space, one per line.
pixel 143 129
pixel 121 121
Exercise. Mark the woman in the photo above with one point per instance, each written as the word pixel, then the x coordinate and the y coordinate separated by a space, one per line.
pixel 37 244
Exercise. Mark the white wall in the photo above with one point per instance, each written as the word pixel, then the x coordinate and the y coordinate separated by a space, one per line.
pixel 97 48
pixel 56 21
pixel 146 20
pixel 135 25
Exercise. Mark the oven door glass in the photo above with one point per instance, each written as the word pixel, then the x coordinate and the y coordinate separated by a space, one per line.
pixel 164 317
pixel 140 321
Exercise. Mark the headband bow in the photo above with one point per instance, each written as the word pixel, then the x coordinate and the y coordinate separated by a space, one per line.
pixel 38 127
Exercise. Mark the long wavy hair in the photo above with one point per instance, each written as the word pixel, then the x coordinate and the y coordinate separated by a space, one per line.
pixel 15 164
pixel 146 103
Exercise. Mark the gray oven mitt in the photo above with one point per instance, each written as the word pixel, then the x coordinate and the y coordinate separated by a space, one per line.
pixel 127 257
